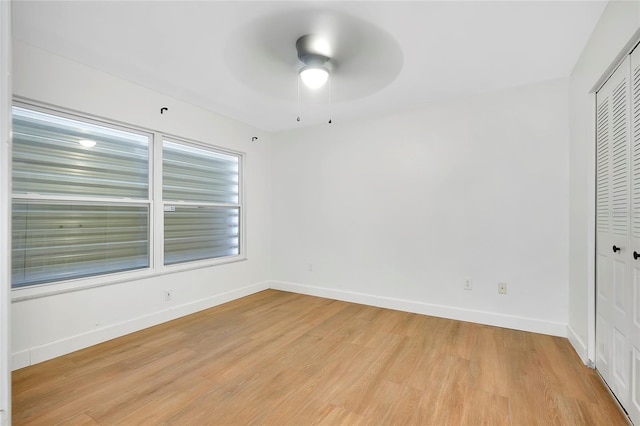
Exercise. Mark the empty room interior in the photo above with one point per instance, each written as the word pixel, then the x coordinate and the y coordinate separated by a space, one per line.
pixel 320 212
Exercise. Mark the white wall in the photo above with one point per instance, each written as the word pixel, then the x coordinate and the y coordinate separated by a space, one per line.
pixel 396 211
pixel 612 38
pixel 49 326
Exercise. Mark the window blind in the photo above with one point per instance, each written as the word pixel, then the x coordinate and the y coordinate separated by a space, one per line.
pixel 77 210
pixel 196 233
pixel 48 158
pixel 208 182
pixel 198 174
pixel 53 242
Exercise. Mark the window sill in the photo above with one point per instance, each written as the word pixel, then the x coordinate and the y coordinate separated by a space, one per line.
pixel 61 287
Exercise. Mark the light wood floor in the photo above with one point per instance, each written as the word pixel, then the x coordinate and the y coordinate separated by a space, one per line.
pixel 283 358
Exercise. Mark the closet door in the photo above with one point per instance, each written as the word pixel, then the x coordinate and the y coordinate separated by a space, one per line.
pixel 633 408
pixel 614 253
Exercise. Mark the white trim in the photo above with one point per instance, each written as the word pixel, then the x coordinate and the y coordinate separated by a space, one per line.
pixel 5 209
pixel 156 215
pixel 578 344
pixel 175 203
pixel 70 344
pixel 73 343
pixel 58 199
pixel 591 241
pixel 83 118
pixel 60 287
pixel 480 317
pixel 154 203
pixel 631 45
pixel 20 359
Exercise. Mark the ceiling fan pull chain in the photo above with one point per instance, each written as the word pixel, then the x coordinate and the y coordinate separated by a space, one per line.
pixel 330 99
pixel 298 119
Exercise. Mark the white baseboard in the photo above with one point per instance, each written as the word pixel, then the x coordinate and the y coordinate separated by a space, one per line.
pixel 73 343
pixel 480 317
pixel 20 359
pixel 578 344
pixel 70 344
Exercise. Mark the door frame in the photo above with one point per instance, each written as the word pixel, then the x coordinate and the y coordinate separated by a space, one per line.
pixel 5 209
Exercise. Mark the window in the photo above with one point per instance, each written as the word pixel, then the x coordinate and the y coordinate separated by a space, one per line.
pixel 82 200
pixel 78 210
pixel 200 189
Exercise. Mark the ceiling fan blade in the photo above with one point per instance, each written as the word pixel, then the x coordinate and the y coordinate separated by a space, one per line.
pixel 364 59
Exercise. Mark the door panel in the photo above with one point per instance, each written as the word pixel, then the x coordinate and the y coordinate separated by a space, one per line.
pixel 617 195
pixel 620 370
pixel 604 345
pixel 620 323
pixel 633 408
pixel 620 285
pixel 602 325
pixel 613 190
pixel 604 272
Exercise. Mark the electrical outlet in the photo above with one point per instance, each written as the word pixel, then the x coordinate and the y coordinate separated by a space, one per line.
pixel 502 288
pixel 467 284
pixel 168 294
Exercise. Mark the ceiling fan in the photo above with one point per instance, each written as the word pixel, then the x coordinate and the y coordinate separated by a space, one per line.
pixel 317 43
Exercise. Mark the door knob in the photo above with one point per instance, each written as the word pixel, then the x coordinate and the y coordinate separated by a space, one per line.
pixel 615 249
pixel 636 255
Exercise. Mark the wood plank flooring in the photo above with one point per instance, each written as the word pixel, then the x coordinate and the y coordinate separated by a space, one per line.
pixel 288 359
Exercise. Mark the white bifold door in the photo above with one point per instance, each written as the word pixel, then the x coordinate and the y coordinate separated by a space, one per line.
pixel 618 234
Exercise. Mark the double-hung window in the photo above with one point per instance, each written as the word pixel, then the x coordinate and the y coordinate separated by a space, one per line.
pixel 83 205
pixel 80 198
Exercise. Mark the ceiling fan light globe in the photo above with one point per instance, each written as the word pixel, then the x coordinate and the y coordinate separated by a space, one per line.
pixel 314 77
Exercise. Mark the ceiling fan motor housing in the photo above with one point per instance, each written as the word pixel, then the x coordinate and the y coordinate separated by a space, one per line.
pixel 308 52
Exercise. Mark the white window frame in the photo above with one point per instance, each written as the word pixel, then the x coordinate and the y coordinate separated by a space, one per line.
pixel 156 211
pixel 176 267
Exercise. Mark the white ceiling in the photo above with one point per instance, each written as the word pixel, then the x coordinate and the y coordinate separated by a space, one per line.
pixel 238 58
